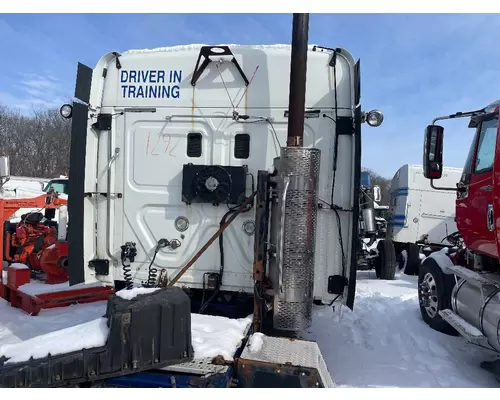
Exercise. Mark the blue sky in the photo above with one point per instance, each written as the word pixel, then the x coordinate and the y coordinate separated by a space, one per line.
pixel 413 67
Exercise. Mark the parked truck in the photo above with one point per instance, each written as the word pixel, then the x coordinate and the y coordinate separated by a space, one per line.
pixel 421 219
pixel 459 290
pixel 376 251
pixel 173 149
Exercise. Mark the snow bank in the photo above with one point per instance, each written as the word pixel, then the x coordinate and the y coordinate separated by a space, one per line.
pixel 83 336
pixel 132 293
pixel 385 343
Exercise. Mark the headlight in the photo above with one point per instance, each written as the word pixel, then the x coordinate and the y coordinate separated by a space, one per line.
pixel 374 118
pixel 181 224
pixel 66 111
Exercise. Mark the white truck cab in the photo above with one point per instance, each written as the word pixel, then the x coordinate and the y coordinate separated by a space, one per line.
pixel 166 142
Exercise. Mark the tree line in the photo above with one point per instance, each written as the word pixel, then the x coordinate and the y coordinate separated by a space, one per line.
pixel 37 144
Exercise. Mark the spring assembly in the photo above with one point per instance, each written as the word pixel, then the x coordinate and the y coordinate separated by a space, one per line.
pixel 129 252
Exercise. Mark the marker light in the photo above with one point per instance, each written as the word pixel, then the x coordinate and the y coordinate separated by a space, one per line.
pixel 374 118
pixel 181 224
pixel 66 111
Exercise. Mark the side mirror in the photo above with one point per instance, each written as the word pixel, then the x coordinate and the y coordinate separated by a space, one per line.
pixel 4 168
pixel 433 152
pixel 377 194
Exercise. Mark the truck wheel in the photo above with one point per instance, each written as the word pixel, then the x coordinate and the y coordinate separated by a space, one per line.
pixel 413 259
pixel 385 263
pixel 434 295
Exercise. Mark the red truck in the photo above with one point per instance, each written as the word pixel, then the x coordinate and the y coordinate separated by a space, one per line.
pixel 459 289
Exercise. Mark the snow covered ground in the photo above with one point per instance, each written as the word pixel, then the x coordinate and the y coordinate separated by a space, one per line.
pixel 383 343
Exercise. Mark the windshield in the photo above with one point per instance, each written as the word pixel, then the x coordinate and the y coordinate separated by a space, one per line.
pixel 485 151
pixel 58 186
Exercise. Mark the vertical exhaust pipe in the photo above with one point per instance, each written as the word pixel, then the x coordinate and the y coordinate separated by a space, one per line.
pixel 295 202
pixel 298 72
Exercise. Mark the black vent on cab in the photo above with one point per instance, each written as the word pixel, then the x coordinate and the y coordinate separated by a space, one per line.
pixel 242 145
pixel 194 144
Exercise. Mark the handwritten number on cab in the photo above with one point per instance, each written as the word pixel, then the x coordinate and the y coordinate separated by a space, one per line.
pixel 159 144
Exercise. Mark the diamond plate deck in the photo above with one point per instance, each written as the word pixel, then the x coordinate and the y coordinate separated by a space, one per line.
pixel 202 366
pixel 295 352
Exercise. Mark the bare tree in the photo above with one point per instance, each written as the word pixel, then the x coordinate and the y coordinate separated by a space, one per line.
pixel 37 144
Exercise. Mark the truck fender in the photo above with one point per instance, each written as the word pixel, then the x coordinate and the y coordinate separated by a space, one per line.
pixel 442 260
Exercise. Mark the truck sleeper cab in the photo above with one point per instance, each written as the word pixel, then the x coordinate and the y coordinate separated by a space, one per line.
pixel 168 142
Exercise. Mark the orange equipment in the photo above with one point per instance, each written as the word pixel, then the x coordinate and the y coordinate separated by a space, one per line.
pixel 36 246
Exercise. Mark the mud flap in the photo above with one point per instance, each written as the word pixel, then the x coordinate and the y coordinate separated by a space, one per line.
pixel 150 331
pixel 278 362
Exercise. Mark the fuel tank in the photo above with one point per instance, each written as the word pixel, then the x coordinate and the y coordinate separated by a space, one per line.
pixel 479 305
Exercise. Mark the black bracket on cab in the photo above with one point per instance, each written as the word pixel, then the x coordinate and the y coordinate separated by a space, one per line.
pixel 101 266
pixel 207 52
pixel 103 122
pixel 336 284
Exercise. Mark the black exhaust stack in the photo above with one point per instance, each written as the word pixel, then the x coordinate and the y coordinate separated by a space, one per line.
pixel 298 70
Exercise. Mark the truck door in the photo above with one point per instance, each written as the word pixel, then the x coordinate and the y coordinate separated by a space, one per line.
pixel 475 212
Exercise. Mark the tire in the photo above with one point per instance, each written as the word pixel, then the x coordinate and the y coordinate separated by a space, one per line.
pixel 413 260
pixel 385 263
pixel 431 277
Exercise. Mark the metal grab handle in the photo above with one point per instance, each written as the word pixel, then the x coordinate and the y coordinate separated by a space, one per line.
pixel 286 180
pixel 489 218
pixel 112 159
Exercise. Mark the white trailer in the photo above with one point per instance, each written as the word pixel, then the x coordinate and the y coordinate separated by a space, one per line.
pixel 420 216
